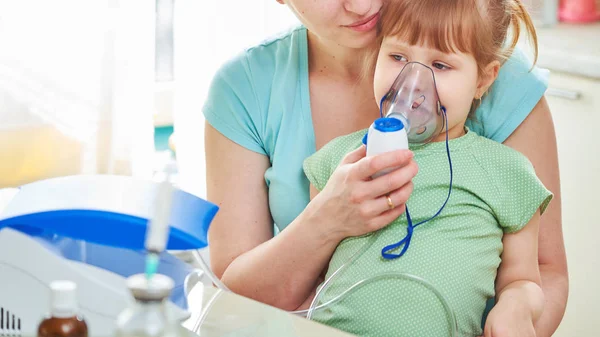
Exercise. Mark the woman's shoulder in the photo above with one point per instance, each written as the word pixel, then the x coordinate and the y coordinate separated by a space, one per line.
pixel 514 94
pixel 240 97
pixel 259 71
pixel 264 59
pixel 280 41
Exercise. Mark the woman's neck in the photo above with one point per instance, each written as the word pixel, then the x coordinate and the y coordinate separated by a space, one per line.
pixel 332 59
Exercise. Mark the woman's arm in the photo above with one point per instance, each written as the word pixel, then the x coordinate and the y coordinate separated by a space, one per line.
pixel 536 139
pixel 520 299
pixel 283 271
pixel 243 252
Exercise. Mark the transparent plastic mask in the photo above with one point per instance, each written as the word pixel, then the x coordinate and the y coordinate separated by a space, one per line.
pixel 413 98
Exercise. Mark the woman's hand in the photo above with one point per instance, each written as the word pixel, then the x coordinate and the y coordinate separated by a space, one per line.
pixel 509 321
pixel 353 204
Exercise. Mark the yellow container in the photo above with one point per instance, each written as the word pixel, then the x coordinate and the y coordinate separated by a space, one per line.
pixel 30 153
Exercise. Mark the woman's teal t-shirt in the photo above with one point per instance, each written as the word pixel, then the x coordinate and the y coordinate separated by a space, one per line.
pixel 260 100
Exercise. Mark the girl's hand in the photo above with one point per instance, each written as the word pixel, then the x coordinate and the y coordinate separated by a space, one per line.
pixel 353 204
pixel 509 320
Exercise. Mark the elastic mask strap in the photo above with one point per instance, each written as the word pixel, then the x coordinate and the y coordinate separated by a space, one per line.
pixel 410 228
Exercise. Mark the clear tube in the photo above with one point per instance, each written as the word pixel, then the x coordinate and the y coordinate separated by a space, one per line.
pixel 314 307
pixel 214 279
pixel 397 275
pixel 392 275
pixel 206 311
pixel 327 283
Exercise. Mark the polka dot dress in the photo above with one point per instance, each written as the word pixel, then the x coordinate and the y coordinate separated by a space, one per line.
pixel 495 191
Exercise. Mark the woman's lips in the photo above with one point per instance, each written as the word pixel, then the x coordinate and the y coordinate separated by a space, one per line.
pixel 366 24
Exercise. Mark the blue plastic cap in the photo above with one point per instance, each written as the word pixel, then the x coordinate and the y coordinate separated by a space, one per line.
pixel 388 124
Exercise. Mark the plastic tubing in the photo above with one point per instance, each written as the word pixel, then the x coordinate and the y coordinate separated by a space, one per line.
pixel 450 316
pixel 213 278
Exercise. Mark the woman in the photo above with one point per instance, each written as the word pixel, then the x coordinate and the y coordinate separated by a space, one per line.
pixel 277 103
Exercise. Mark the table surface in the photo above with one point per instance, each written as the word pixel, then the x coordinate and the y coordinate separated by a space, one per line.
pixel 232 315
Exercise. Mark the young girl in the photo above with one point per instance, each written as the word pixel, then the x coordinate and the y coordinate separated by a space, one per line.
pixel 484 242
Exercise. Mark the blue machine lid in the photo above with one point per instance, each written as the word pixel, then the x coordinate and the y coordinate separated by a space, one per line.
pixel 107 210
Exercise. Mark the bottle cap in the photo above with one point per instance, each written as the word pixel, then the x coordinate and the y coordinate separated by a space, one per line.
pixel 157 288
pixel 388 124
pixel 63 299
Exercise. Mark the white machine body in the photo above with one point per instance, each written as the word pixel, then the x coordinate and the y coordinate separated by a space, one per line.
pixel 27 268
pixel 43 222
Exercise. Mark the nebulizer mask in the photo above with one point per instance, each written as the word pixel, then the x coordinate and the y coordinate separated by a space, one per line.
pixel 411 112
pixel 414 100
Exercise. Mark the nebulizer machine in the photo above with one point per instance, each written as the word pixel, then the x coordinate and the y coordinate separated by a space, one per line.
pixel 98 231
pixel 411 112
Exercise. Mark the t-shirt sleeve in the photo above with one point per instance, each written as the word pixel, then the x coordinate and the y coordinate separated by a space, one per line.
pixel 231 106
pixel 521 193
pixel 318 167
pixel 321 165
pixel 511 98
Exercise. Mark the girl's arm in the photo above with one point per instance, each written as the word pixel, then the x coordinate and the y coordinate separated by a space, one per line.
pixel 536 139
pixel 520 299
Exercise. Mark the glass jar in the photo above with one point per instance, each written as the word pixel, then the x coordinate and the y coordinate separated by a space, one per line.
pixel 147 316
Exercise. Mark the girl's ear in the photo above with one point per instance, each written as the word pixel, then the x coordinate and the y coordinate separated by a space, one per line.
pixel 487 78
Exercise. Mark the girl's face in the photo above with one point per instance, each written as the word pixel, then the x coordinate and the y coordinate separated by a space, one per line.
pixel 348 23
pixel 456 77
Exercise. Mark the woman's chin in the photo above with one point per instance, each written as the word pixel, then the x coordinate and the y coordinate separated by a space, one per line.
pixel 356 40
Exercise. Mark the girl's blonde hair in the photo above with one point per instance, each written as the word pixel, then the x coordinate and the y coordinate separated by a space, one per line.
pixel 477 27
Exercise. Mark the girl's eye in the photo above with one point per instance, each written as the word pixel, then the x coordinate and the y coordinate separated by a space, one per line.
pixel 399 58
pixel 440 66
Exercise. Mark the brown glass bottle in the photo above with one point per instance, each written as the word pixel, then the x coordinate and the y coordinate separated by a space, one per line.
pixel 64 320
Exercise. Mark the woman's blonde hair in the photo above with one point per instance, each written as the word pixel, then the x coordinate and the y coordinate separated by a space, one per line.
pixel 477 27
